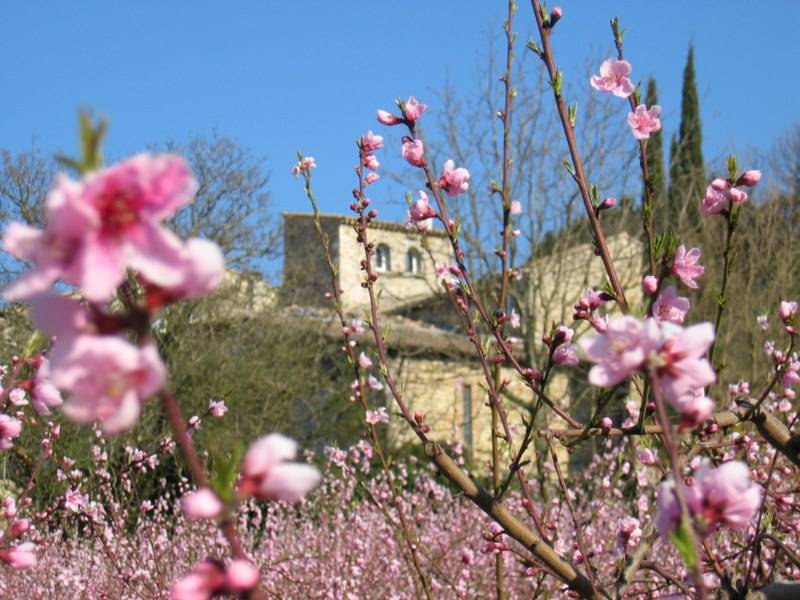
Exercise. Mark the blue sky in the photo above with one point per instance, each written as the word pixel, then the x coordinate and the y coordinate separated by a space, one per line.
pixel 282 76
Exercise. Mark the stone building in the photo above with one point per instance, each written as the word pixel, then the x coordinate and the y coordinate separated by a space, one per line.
pixel 432 360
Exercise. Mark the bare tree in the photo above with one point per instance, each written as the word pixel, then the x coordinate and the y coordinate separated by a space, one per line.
pixel 233 205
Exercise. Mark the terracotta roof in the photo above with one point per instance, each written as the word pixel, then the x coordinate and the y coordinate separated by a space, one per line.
pixel 405 335
pixel 385 225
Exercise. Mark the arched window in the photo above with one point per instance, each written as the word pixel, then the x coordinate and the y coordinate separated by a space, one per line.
pixel 383 258
pixel 413 261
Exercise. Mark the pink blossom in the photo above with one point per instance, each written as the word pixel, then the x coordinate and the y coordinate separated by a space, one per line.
pixel 763 322
pixel 749 178
pixel 304 165
pixel 74 501
pixel 217 408
pixel 413 152
pixel 371 178
pixel 364 361
pixel 629 534
pixel 715 200
pixel 371 162
pixel 108 380
pixel 414 109
pixel 737 196
pixel 371 142
pixel 787 310
pixel 606 423
pixel 621 350
pixel 566 355
pixel 268 474
pixel 387 118
pixel 516 207
pixel 614 78
pixel 202 268
pixel 643 122
pixel 374 383
pixel 669 307
pixel 681 365
pixel 514 319
pixel 377 416
pixel 18 528
pixel 21 556
pixel 791 374
pixel 201 504
pixel 685 266
pixel 563 334
pixel 206 579
pixel 44 395
pixel 10 428
pixel 694 408
pixel 102 225
pixel 646 457
pixel 609 202
pixel 421 209
pixel 454 181
pixel 241 576
pixel 650 284
pixel 17 397
pixel 724 495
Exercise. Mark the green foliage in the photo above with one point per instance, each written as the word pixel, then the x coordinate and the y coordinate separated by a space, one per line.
pixel 687 176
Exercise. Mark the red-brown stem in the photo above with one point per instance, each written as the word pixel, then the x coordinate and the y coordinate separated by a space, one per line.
pixel 496 404
pixel 674 461
pixel 226 524
pixel 647 209
pixel 577 163
pixel 408 538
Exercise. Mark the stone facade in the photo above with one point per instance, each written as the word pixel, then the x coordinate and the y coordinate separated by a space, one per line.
pixel 432 362
pixel 406 268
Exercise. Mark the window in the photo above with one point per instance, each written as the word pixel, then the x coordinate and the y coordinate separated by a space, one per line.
pixel 413 261
pixel 383 258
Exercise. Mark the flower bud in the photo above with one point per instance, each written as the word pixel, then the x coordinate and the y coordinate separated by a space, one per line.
pixel 749 178
pixel 650 284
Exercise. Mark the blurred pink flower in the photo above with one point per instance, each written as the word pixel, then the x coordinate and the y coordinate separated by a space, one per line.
pixel 614 78
pixel 108 380
pixel 749 178
pixel 724 495
pixel 102 225
pixel 241 576
pixel 454 181
pixel 669 307
pixel 413 152
pixel 621 350
pixel 650 284
pixel 10 428
pixel 201 504
pixel 377 416
pixel 685 266
pixel 681 364
pixel 786 310
pixel 387 118
pixel 694 407
pixel 644 121
pixel 364 361
pixel 371 142
pixel 21 556
pixel 516 207
pixel 566 355
pixel 268 474
pixel 421 209
pixel 414 109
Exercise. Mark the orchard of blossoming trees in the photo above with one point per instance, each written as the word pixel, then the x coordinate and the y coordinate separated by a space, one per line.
pixel 691 495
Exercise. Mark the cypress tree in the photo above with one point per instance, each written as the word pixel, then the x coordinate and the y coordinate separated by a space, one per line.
pixel 687 177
